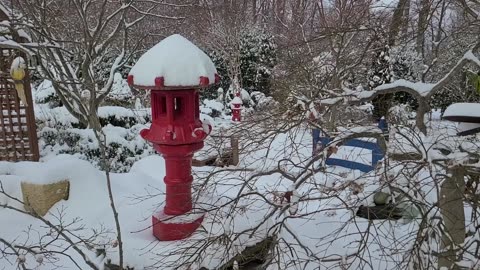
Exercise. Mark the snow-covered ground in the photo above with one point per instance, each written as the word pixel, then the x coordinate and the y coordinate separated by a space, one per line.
pixel 317 229
pixel 324 227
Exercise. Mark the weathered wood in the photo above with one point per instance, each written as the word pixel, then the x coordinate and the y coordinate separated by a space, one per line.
pixel 18 132
pixel 453 214
pixel 234 144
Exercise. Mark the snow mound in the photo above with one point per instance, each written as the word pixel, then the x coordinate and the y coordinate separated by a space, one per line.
pixel 466 110
pixel 177 60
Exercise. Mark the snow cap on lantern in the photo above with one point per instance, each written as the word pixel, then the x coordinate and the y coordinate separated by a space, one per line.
pixel 237 101
pixel 173 63
pixel 236 106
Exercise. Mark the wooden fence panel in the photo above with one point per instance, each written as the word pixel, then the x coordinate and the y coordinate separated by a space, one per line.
pixel 18 134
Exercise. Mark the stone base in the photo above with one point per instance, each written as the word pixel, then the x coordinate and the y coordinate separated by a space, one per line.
pixel 170 228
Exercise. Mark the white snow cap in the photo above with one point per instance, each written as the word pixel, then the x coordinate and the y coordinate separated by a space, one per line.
pixel 177 60
pixel 462 110
pixel 237 101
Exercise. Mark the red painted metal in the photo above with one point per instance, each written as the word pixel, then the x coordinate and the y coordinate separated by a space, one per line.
pixel 176 133
pixel 165 230
pixel 237 110
pixel 204 81
pixel 159 82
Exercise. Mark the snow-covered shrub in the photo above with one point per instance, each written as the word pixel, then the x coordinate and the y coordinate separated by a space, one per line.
pixel 389 65
pixel 212 108
pixel 121 92
pixel 258 53
pixel 45 94
pixel 221 65
pixel 61 133
pixel 124 146
pixel 122 117
pixel 59 117
pixel 458 90
pixel 258 57
pixel 261 101
pixel 400 114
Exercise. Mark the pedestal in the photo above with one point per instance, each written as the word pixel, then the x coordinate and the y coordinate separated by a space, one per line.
pixel 170 228
pixel 177 220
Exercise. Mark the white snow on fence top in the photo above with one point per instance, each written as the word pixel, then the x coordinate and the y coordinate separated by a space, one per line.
pixel 463 109
pixel 177 60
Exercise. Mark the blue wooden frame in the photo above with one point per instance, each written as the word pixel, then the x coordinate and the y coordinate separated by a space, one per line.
pixel 377 152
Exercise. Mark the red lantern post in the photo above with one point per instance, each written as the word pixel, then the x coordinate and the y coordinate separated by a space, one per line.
pixel 237 108
pixel 174 70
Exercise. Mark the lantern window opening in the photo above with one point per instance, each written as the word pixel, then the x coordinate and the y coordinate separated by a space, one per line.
pixel 163 105
pixel 159 105
pixel 177 108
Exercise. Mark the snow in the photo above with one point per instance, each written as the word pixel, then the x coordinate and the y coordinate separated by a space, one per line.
pixel 120 88
pixel 237 101
pixel 177 60
pixel 14 45
pixel 468 127
pixel 463 109
pixel 58 115
pixel 237 199
pixel 422 88
pixel 384 5
pixel 213 104
pixel 470 56
pixel 122 112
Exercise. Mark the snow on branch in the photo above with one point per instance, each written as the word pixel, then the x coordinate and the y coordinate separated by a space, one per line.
pixel 420 88
pixel 421 91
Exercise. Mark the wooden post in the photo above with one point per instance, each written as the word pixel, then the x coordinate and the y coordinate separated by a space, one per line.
pixel 452 210
pixel 234 143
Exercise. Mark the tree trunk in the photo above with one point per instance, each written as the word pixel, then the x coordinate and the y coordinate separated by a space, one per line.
pixel 452 210
pixel 406 18
pixel 254 10
pixel 397 22
pixel 422 25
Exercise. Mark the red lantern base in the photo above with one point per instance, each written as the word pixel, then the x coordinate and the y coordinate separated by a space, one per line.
pixel 170 228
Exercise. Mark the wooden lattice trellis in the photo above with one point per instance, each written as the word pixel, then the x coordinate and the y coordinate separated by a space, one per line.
pixel 18 135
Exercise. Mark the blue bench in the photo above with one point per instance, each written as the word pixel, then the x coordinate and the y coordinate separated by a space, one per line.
pixel 377 152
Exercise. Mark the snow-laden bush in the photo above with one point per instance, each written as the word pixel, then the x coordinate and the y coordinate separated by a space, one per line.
pixel 261 101
pixel 400 114
pixel 124 146
pixel 45 94
pixel 59 117
pixel 212 108
pixel 121 92
pixel 61 133
pixel 258 57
